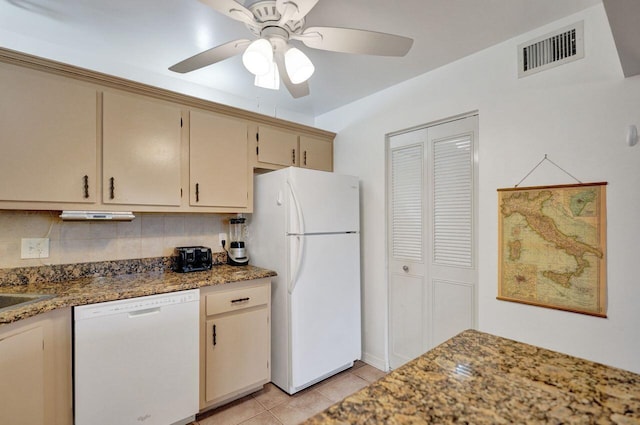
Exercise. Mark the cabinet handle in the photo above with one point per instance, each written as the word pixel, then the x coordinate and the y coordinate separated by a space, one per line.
pixel 86 186
pixel 214 335
pixel 197 192
pixel 112 188
pixel 293 156
pixel 240 300
pixel 305 157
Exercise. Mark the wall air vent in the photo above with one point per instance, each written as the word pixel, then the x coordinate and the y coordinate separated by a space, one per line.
pixel 551 50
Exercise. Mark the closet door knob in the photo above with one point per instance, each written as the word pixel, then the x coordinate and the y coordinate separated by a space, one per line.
pixel 405 268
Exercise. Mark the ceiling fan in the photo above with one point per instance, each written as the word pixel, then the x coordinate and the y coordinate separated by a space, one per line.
pixel 271 57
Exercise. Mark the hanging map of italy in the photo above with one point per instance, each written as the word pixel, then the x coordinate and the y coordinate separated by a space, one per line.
pixel 552 247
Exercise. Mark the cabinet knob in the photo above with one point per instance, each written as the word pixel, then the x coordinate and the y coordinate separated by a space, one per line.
pixel 405 268
pixel 86 186
pixel 112 188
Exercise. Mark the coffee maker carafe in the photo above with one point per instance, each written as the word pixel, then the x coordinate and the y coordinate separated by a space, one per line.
pixel 237 253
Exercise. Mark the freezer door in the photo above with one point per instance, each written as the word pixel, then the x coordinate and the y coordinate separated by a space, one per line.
pixel 325 307
pixel 322 202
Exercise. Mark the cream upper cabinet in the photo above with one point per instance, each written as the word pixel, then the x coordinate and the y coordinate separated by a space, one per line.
pixel 73 139
pixel 277 146
pixel 316 153
pixel 219 174
pixel 141 151
pixel 48 137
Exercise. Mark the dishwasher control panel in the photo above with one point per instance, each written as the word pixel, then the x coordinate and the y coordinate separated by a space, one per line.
pixel 144 304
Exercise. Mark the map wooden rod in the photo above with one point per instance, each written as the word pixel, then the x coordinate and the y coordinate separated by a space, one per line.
pixel 560 186
pixel 551 306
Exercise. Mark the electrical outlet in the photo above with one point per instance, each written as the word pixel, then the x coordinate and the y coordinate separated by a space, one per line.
pixel 222 237
pixel 35 248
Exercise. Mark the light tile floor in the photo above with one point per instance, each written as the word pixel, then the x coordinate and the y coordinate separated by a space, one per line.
pixel 271 406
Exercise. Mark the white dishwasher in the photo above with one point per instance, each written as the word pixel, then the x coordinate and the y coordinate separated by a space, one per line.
pixel 136 360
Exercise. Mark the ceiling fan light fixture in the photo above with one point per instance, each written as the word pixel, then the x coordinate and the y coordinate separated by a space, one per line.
pixel 258 57
pixel 270 80
pixel 299 66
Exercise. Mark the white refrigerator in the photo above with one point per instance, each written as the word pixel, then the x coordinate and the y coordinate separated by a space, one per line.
pixel 306 227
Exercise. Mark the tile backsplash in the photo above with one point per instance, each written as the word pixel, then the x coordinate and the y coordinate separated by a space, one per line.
pixel 148 235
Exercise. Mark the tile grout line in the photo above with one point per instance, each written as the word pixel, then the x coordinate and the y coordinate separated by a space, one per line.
pixel 315 389
pixel 275 417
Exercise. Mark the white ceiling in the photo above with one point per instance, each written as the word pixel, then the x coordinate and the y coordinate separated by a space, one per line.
pixel 140 39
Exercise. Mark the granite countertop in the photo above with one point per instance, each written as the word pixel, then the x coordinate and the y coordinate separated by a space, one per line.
pixel 480 378
pixel 95 289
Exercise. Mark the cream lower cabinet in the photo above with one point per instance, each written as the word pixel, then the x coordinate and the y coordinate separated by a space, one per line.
pixel 141 150
pixel 219 171
pixel 47 136
pixel 235 341
pixel 35 370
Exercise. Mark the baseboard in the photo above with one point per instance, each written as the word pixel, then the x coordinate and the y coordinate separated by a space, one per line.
pixel 375 361
pixel 185 421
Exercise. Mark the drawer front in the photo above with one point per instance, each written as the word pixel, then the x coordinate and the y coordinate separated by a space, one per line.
pixel 222 302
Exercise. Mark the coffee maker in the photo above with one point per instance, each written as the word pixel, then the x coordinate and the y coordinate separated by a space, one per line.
pixel 237 253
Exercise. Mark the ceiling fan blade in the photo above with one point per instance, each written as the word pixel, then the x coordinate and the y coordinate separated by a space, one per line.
pixel 302 7
pixel 232 9
pixel 211 56
pixel 349 40
pixel 296 90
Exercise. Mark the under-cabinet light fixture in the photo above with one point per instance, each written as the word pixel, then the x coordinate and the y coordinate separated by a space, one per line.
pixel 97 215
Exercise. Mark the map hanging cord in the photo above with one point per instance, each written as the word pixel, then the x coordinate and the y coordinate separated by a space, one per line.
pixel 539 163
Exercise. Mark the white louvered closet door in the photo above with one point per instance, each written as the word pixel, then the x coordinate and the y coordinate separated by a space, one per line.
pixel 406 250
pixel 452 270
pixel 431 224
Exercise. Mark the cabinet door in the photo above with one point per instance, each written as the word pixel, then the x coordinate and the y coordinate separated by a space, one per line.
pixel 141 151
pixel 237 352
pixel 218 161
pixel 22 381
pixel 277 146
pixel 316 153
pixel 48 138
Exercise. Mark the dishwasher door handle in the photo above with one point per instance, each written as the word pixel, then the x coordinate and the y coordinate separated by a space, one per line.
pixel 145 312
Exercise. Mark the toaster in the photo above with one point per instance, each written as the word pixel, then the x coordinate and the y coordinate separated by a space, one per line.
pixel 193 259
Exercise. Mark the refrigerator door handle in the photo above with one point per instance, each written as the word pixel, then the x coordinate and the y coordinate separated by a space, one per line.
pixel 296 204
pixel 300 253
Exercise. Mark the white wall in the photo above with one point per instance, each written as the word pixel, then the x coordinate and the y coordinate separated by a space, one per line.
pixel 578 115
